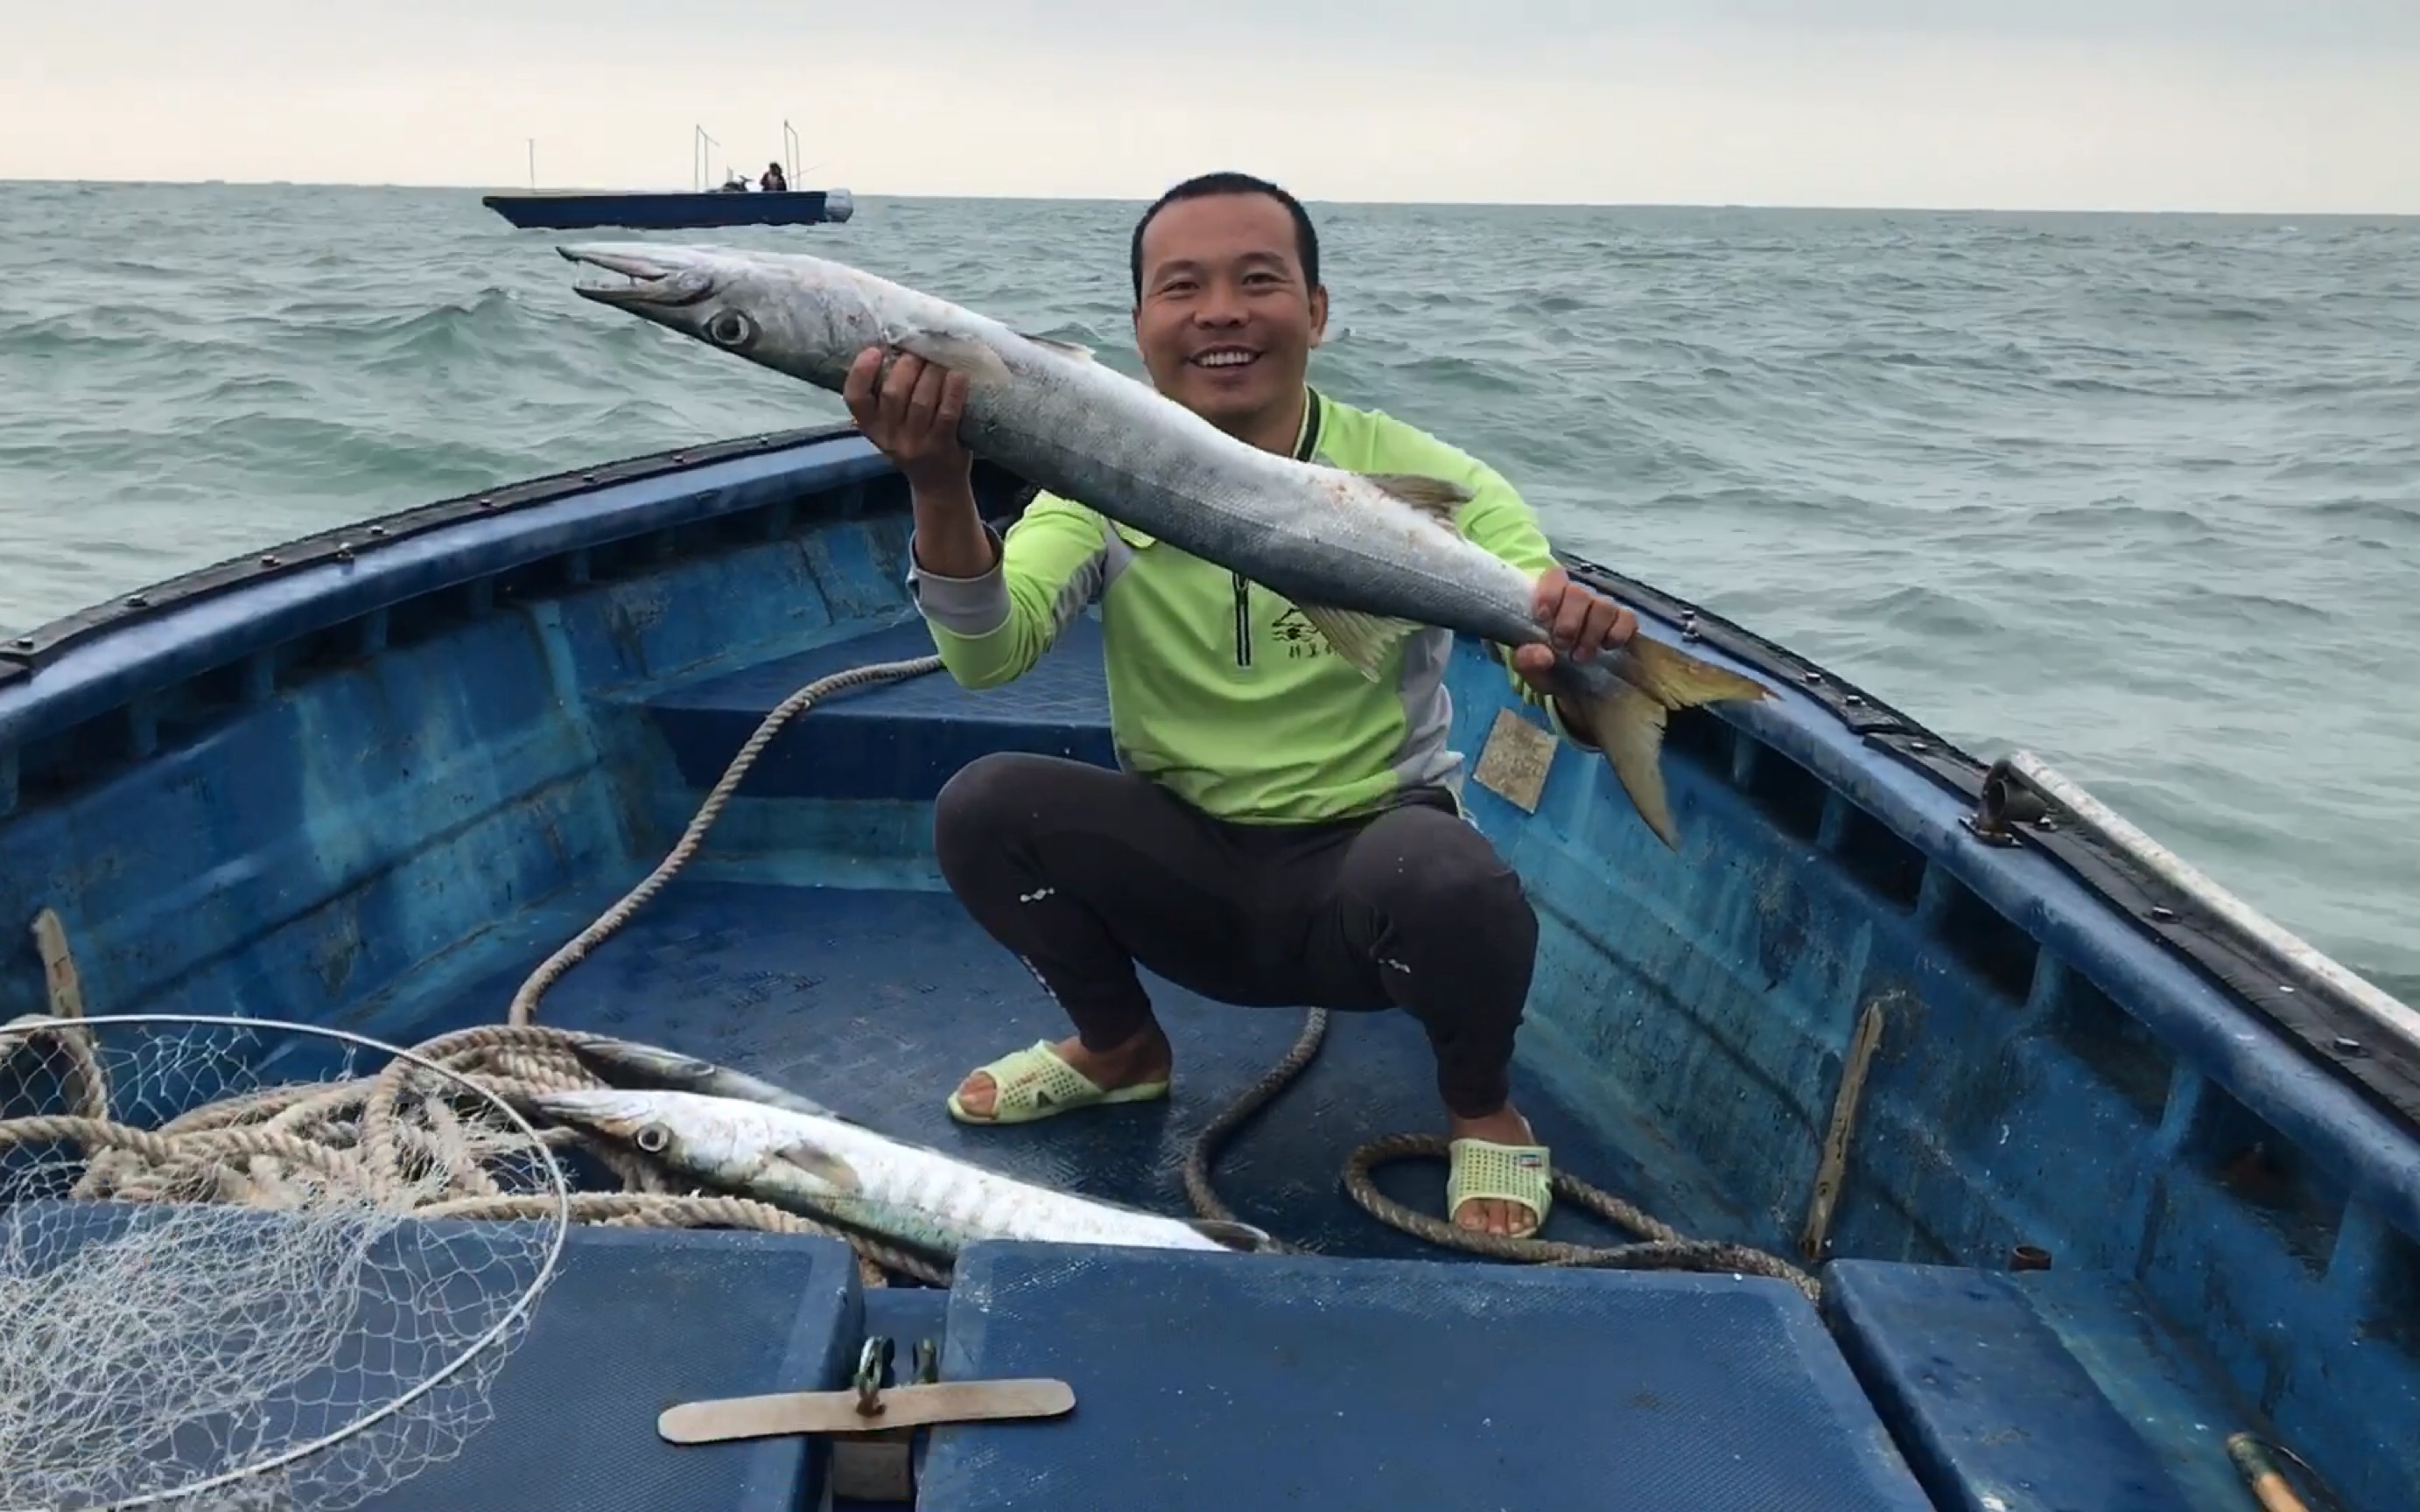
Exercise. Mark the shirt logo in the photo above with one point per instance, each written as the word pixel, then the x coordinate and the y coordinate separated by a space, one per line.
pixel 1301 638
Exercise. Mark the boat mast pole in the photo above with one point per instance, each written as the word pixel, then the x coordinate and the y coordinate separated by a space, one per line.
pixel 790 152
pixel 532 155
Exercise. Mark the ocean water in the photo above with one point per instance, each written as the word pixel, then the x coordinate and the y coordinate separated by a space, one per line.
pixel 2141 494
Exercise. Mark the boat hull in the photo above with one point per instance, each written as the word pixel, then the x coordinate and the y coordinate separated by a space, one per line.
pixel 671 211
pixel 374 775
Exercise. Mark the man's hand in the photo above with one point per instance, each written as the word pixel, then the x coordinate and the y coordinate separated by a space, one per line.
pixel 913 419
pixel 1582 622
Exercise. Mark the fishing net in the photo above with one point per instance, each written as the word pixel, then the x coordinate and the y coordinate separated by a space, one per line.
pixel 228 1275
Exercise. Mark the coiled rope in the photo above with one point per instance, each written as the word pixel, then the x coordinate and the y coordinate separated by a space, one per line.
pixel 1660 1247
pixel 376 1134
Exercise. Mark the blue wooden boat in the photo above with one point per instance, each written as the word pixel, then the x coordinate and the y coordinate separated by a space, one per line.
pixel 2128 1175
pixel 672 210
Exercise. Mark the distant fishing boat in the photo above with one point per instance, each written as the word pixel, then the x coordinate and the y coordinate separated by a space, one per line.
pixel 733 204
pixel 2109 1188
pixel 672 210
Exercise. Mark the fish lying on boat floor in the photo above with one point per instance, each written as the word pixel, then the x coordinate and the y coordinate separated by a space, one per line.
pixel 1366 558
pixel 826 1168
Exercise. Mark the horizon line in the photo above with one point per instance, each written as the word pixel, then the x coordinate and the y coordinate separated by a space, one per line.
pixel 860 196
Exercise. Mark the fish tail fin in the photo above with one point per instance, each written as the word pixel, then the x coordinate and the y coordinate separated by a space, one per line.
pixel 1680 681
pixel 1625 715
pixel 1628 727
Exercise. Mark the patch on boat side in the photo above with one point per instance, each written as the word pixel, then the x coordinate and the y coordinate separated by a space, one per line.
pixel 1514 762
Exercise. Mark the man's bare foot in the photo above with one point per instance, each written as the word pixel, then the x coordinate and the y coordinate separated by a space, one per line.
pixel 1146 1058
pixel 1492 1215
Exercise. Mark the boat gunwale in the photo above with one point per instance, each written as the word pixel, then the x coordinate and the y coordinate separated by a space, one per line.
pixel 2290 987
pixel 2188 976
pixel 32 650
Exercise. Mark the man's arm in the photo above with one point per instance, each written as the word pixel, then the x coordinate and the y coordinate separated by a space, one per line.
pixel 991 623
pixel 993 606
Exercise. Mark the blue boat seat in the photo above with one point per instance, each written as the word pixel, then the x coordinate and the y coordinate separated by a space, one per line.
pixel 634 1321
pixel 637 1320
pixel 898 742
pixel 2047 1390
pixel 1220 1382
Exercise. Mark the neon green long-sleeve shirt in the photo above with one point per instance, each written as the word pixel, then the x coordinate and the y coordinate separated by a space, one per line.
pixel 1219 688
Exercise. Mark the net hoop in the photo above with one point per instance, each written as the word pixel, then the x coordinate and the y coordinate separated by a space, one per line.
pixel 558 1188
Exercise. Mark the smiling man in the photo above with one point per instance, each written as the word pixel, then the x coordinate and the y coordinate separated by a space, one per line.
pixel 1282 831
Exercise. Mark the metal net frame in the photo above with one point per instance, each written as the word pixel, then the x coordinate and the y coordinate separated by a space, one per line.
pixel 220 1291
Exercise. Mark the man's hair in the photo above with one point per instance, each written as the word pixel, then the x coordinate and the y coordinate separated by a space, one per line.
pixel 1201 185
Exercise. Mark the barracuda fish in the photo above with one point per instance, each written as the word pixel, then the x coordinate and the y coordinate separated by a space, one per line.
pixel 625 1061
pixel 1368 558
pixel 828 1167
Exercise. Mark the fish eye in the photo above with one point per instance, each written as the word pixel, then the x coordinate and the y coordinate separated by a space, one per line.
pixel 653 1138
pixel 729 327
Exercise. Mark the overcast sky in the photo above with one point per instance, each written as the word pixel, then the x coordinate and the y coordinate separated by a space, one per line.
pixel 2124 104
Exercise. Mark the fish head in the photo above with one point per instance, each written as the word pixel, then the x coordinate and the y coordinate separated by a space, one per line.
pixel 803 316
pixel 627 1063
pixel 660 1124
pixel 602 1054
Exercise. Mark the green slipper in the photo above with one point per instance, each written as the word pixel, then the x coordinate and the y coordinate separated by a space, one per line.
pixel 1034 1083
pixel 1514 1173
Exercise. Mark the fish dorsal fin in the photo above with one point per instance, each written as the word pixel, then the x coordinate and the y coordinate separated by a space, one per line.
pixel 823 1165
pixel 963 354
pixel 1362 639
pixel 1234 1235
pixel 1069 348
pixel 1436 497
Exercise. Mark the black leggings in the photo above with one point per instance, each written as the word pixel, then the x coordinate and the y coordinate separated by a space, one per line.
pixel 1084 871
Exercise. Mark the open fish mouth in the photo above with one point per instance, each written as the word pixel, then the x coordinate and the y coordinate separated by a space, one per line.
pixel 647 279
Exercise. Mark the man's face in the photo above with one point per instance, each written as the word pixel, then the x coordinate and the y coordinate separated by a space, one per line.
pixel 1226 321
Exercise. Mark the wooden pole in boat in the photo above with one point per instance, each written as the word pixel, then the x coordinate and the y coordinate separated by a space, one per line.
pixel 790 152
pixel 2261 1475
pixel 533 149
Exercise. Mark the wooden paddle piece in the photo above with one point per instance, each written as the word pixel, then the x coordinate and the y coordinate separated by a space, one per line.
pixel 841 1411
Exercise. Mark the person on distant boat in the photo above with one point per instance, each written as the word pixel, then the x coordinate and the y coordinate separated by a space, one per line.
pixel 735 184
pixel 774 182
pixel 1283 831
